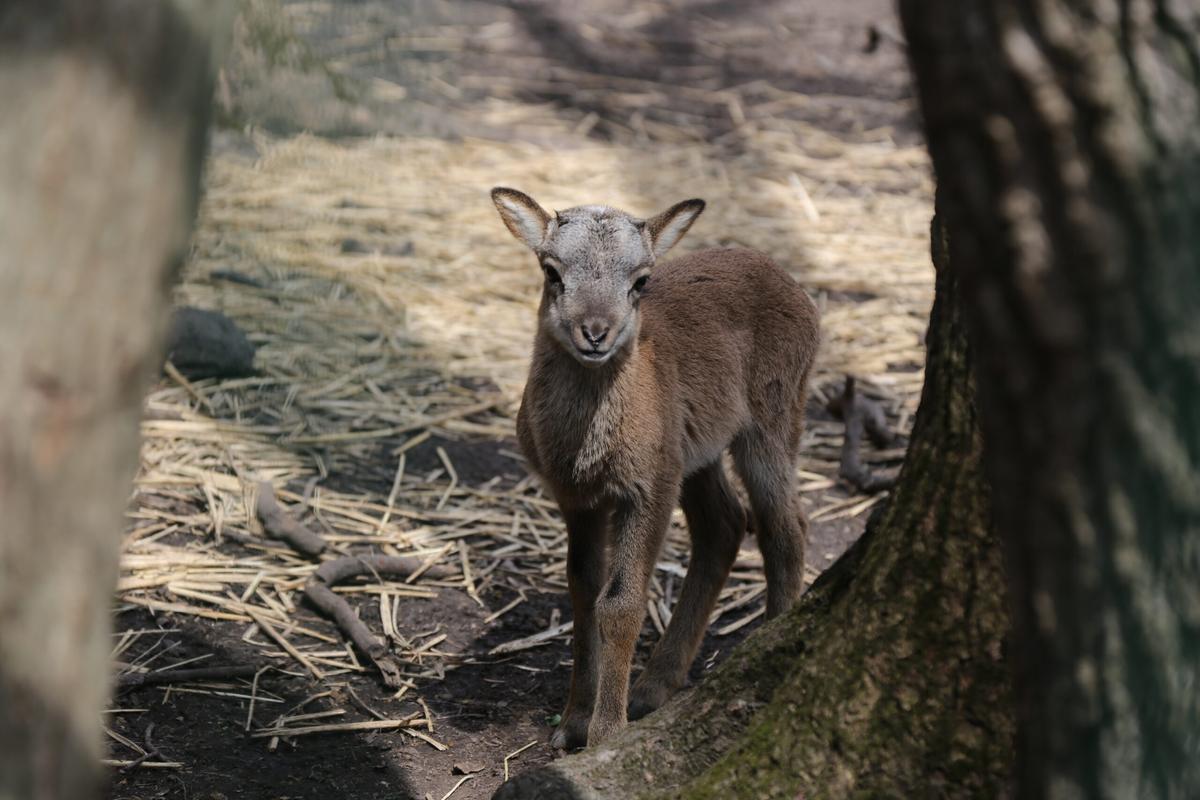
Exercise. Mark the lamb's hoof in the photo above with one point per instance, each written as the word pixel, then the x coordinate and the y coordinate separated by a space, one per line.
pixel 598 731
pixel 644 699
pixel 570 735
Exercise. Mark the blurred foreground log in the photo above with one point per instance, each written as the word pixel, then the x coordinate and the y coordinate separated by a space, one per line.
pixel 101 140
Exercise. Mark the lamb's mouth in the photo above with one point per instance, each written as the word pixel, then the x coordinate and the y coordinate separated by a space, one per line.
pixel 593 357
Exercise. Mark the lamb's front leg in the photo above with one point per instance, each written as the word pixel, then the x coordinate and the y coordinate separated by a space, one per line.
pixel 638 528
pixel 587 540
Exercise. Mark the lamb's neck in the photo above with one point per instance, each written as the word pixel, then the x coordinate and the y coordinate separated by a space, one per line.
pixel 580 409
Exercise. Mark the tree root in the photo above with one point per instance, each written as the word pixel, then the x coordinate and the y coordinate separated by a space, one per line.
pixel 658 755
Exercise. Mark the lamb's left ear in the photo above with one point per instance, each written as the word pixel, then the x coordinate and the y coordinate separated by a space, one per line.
pixel 669 227
pixel 525 219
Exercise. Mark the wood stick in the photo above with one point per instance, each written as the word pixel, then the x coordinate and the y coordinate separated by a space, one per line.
pixel 136 679
pixel 269 629
pixel 279 524
pixel 861 416
pixel 495 615
pixel 426 738
pixel 338 570
pixel 355 629
pixel 319 591
pixel 253 697
pixel 454 788
pixel 513 755
pixel 340 727
pixel 531 641
pixel 150 750
pixel 741 623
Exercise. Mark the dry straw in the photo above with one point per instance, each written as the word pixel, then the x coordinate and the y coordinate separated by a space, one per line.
pixel 423 329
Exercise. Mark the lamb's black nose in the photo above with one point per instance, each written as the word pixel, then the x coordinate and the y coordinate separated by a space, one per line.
pixel 595 332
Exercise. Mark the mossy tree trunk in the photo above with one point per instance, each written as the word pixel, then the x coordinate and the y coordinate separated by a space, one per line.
pixel 1066 140
pixel 101 138
pixel 888 680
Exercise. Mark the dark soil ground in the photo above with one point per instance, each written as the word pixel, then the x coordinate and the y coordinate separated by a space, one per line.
pixel 484 707
pixel 488 706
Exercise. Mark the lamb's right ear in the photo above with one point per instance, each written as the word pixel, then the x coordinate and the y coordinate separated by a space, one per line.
pixel 525 219
pixel 669 227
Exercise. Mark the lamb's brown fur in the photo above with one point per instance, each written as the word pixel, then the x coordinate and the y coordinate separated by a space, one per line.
pixel 720 361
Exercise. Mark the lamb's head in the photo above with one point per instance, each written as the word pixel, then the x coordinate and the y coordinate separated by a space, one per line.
pixel 597 263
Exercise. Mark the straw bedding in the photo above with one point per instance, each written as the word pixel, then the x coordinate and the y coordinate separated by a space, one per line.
pixel 393 317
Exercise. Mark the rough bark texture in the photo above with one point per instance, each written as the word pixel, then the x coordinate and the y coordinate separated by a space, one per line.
pixel 888 680
pixel 101 139
pixel 1066 138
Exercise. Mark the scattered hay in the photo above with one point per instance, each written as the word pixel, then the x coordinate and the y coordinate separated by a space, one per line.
pixel 423 330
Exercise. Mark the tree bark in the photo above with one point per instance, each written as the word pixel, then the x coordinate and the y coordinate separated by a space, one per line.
pixel 888 679
pixel 1066 140
pixel 101 139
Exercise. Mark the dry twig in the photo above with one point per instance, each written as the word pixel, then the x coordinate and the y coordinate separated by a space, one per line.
pixel 336 608
pixel 133 680
pixel 279 524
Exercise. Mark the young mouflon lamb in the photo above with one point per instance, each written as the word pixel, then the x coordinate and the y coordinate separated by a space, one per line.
pixel 643 374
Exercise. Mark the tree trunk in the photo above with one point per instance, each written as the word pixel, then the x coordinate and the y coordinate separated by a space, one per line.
pixel 1066 140
pixel 101 137
pixel 887 680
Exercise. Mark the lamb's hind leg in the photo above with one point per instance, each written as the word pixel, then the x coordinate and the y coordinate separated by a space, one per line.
pixel 767 465
pixel 716 522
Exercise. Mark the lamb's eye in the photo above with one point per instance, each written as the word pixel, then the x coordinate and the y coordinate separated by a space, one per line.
pixel 552 274
pixel 640 284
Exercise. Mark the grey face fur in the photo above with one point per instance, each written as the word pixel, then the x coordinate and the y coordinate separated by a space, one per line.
pixel 597 263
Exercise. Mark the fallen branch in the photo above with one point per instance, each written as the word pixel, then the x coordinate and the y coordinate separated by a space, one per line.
pixel 136 679
pixel 861 415
pixel 338 570
pixel 336 608
pixel 151 752
pixel 279 524
pixel 126 764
